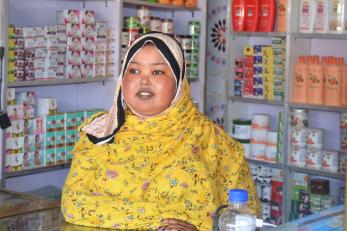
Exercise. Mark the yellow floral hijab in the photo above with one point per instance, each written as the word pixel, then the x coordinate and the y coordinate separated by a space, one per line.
pixel 175 165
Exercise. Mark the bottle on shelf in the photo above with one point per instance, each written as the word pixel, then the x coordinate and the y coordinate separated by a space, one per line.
pixel 322 19
pixel 307 16
pixel 251 14
pixel 344 85
pixel 237 216
pixel 267 10
pixel 336 8
pixel 281 15
pixel 332 89
pixel 315 85
pixel 299 86
pixel 238 15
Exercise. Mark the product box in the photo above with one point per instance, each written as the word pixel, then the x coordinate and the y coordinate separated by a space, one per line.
pixel 109 71
pixel 73 72
pixel 80 117
pixel 47 106
pixel 26 98
pixel 29 126
pixel 87 17
pixel 15 112
pixel 29 112
pixel 73 30
pixel 68 151
pixel 16 129
pixel 29 143
pixel 39 158
pixel 68 16
pixel 88 44
pixel 88 57
pixel 70 120
pixel 13 162
pixel 70 137
pixel 39 125
pixel 28 160
pixel 50 156
pixel 110 57
pixel 40 142
pixel 14 145
pixel 50 122
pixel 60 121
pixel 60 155
pixel 11 96
pixel 87 71
pixel 100 71
pixel 74 58
pixel 50 139
pixel 74 44
pixel 88 31
pixel 60 139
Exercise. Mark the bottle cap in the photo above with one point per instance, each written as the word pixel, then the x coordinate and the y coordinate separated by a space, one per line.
pixel 238 195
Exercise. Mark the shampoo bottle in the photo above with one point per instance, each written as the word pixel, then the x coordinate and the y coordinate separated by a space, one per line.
pixel 307 15
pixel 336 8
pixel 267 10
pixel 344 85
pixel 281 15
pixel 315 88
pixel 322 16
pixel 251 14
pixel 299 83
pixel 333 84
pixel 238 15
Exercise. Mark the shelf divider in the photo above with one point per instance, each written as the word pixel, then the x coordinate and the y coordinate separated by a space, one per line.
pixel 42 169
pixel 158 5
pixel 317 107
pixel 334 175
pixel 264 163
pixel 259 101
pixel 259 34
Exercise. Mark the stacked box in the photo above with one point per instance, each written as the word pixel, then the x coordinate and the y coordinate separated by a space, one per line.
pixel 239 77
pixel 300 185
pixel 110 53
pixel 279 69
pixel 280 137
pixel 248 80
pixel 27 99
pixel 258 81
pixel 101 50
pixel 16 55
pixel 267 68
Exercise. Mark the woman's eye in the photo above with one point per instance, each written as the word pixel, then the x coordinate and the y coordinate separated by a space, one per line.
pixel 158 72
pixel 134 71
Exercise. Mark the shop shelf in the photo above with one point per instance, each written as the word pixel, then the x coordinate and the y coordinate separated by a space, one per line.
pixel 52 82
pixel 37 170
pixel 318 107
pixel 264 163
pixel 258 101
pixel 158 5
pixel 259 34
pixel 337 175
pixel 320 36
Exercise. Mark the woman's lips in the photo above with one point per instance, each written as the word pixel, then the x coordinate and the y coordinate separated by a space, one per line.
pixel 144 94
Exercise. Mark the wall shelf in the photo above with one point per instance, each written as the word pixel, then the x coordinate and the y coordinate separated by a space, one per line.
pixel 158 5
pixel 42 169
pixel 265 163
pixel 337 175
pixel 53 82
pixel 258 101
pixel 317 107
pixel 319 36
pixel 258 34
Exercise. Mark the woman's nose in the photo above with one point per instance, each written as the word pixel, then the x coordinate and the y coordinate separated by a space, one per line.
pixel 145 80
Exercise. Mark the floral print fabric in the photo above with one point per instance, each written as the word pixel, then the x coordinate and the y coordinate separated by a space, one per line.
pixel 177 165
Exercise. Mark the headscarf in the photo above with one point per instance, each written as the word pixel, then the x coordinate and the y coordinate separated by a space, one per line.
pixel 104 128
pixel 178 164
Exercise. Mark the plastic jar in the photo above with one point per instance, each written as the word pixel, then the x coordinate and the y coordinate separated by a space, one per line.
pixel 178 2
pixel 131 22
pixel 247 147
pixel 143 13
pixel 155 24
pixel 241 129
pixel 186 42
pixel 125 37
pixel 167 26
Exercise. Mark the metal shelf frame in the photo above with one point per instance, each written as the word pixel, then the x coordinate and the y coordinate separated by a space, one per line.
pixel 42 169
pixel 159 5
pixel 258 101
pixel 333 175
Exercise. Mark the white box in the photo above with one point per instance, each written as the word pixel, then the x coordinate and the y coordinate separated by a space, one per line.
pixel 68 16
pixel 47 106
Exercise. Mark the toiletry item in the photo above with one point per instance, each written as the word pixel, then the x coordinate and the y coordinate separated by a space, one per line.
pixel 332 89
pixel 315 85
pixel 336 8
pixel 238 15
pixel 307 16
pixel 266 20
pixel 299 84
pixel 281 15
pixel 251 14
pixel 322 16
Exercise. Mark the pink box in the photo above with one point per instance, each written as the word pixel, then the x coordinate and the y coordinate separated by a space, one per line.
pixel 68 16
pixel 87 17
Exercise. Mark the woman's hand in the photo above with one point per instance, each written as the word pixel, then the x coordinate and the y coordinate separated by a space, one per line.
pixel 176 225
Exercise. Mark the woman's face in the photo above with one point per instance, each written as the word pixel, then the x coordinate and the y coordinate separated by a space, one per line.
pixel 149 85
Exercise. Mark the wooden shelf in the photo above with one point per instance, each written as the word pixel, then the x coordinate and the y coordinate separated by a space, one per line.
pixel 53 82
pixel 31 171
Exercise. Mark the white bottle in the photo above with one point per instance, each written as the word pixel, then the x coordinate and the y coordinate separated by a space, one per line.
pixel 307 15
pixel 336 16
pixel 322 16
pixel 236 216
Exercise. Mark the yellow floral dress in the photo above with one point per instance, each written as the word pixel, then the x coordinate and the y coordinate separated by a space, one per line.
pixel 177 165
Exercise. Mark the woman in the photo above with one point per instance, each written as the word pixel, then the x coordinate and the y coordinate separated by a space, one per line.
pixel 154 161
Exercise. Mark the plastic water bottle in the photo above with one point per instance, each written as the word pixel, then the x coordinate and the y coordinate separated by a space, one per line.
pixel 236 217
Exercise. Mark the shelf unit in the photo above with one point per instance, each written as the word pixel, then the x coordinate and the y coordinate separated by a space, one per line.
pixel 71 94
pixel 180 16
pixel 296 44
